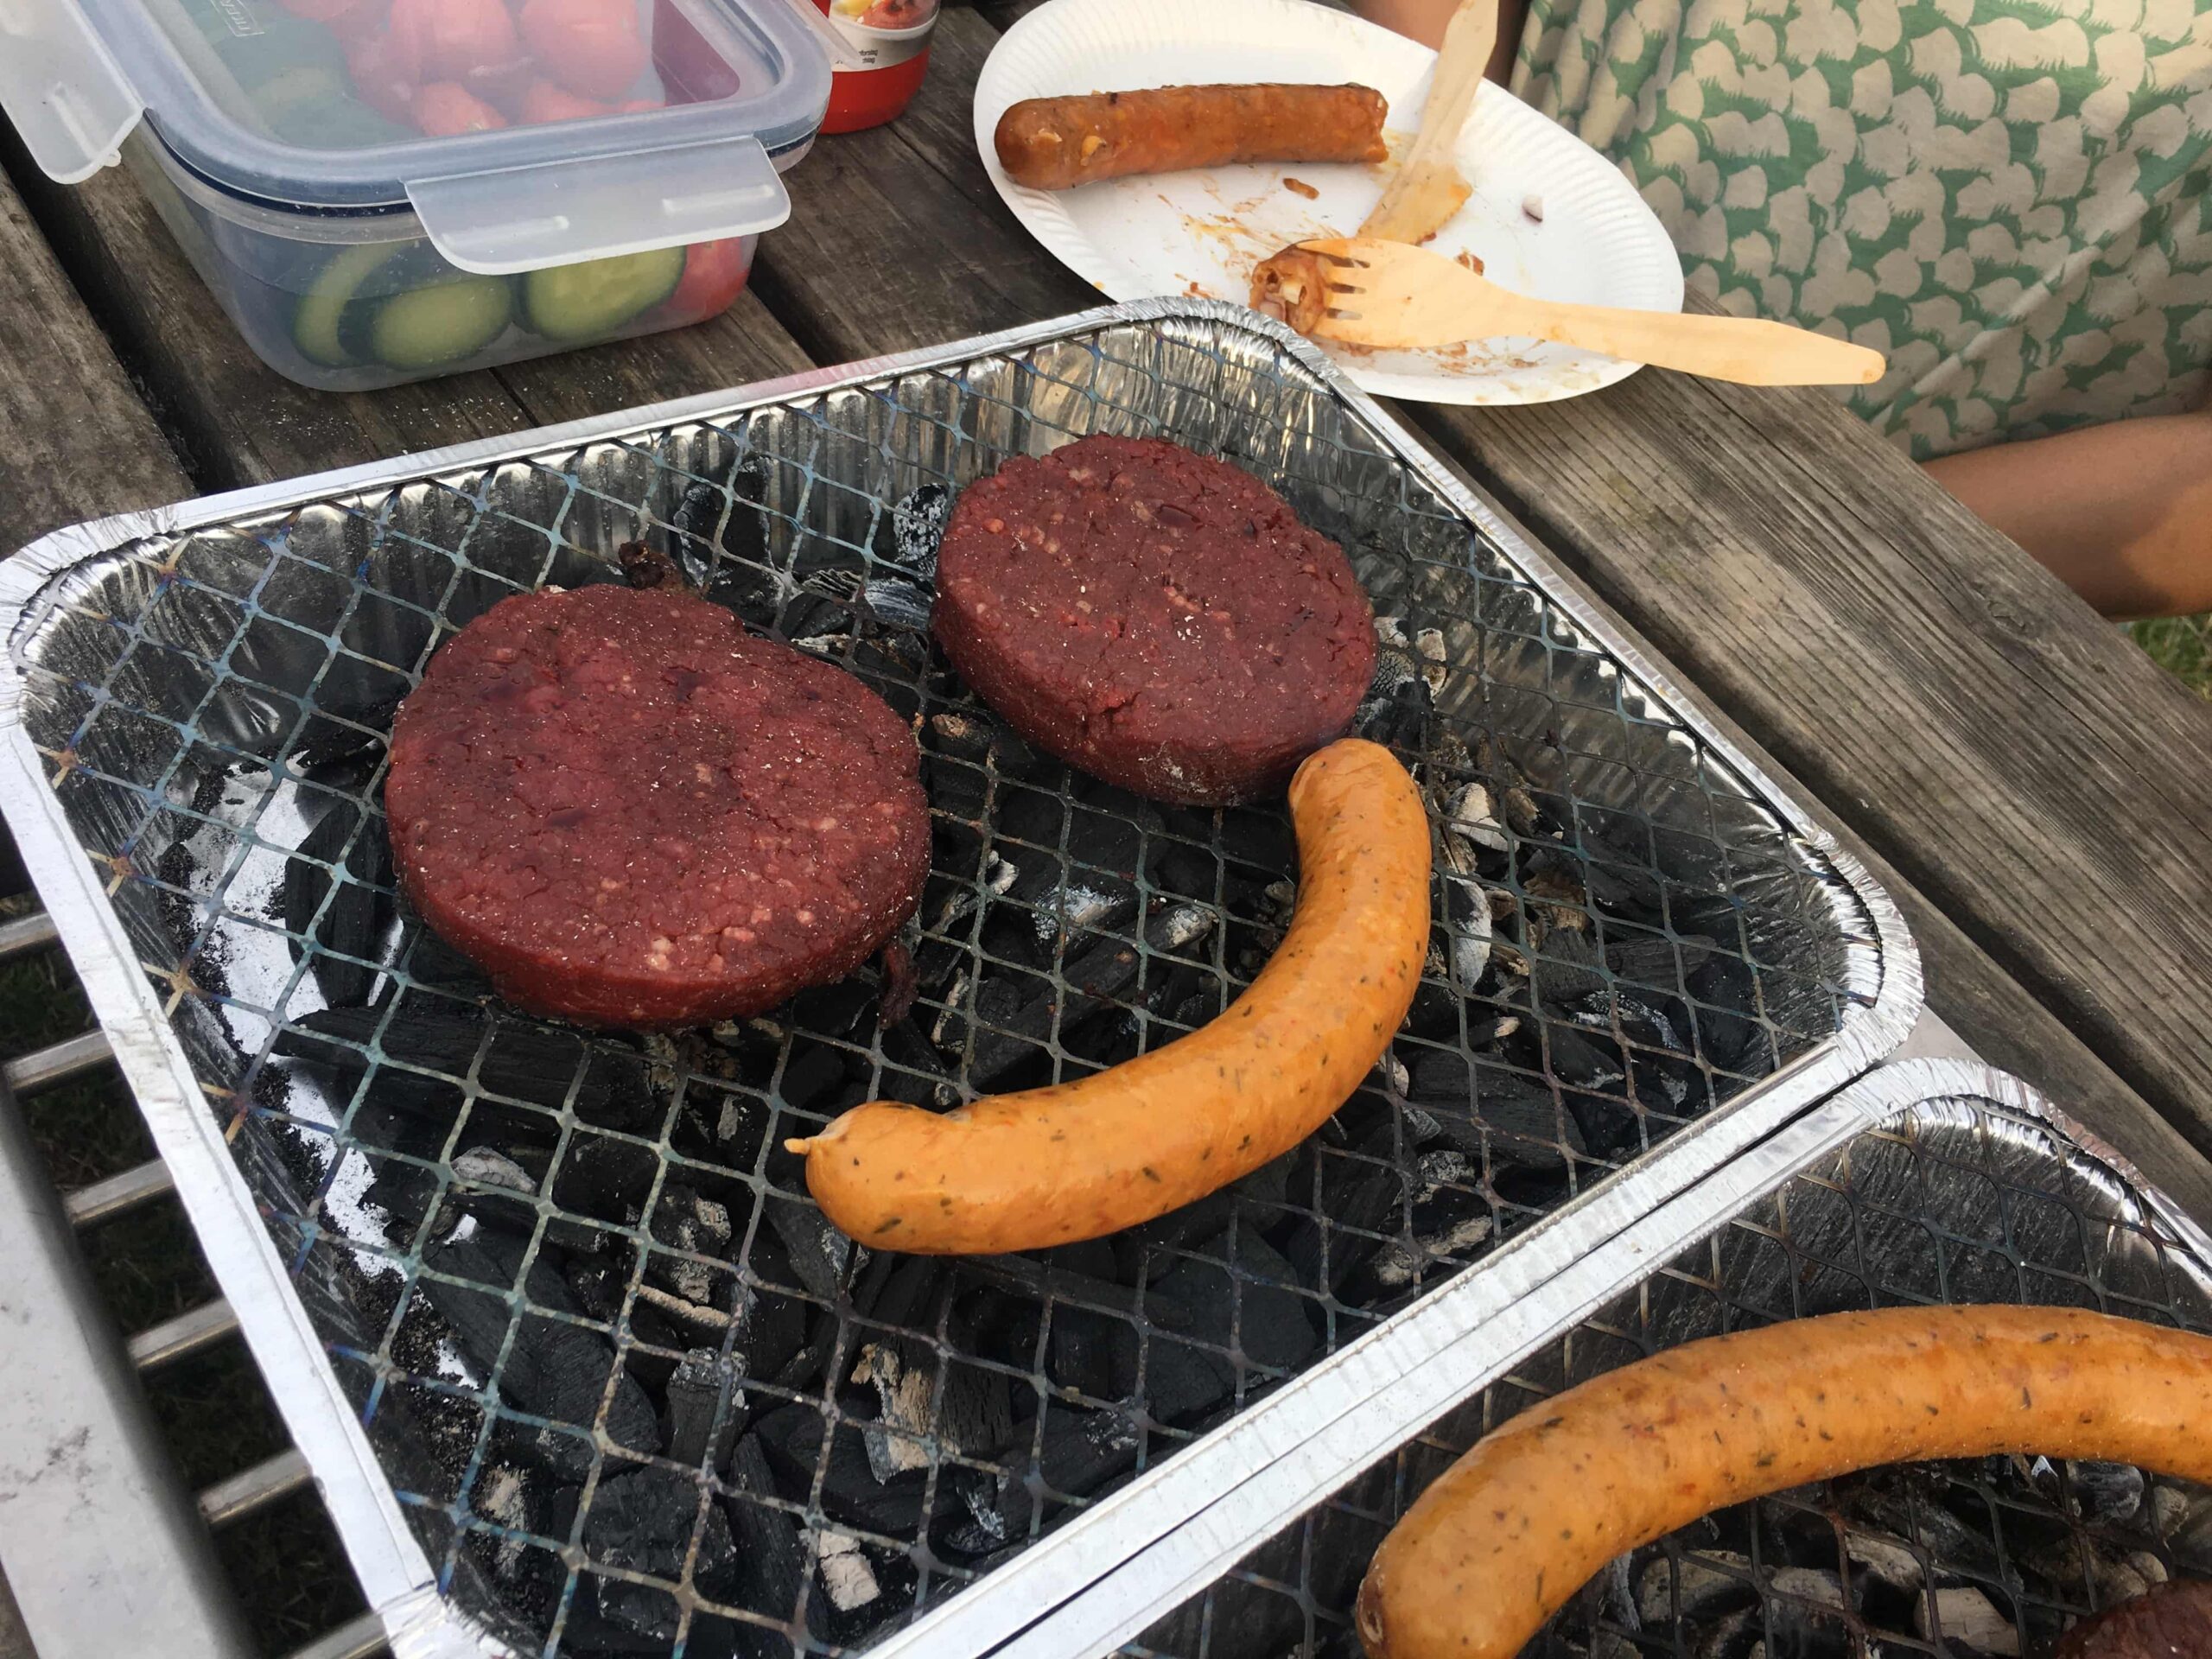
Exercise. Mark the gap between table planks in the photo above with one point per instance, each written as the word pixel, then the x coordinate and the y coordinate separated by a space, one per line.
pixel 898 239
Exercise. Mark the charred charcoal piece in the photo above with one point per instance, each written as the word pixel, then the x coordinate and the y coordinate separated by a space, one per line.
pixel 882 597
pixel 1075 1454
pixel 916 527
pixel 861 1590
pixel 600 1284
pixel 792 1437
pixel 1098 979
pixel 1590 1062
pixel 1080 1356
pixel 642 1523
pixel 645 566
pixel 343 747
pixel 1661 962
pixel 1359 1197
pixel 603 1178
pixel 813 1074
pixel 552 1369
pixel 685 1221
pixel 1246 1314
pixel 704 1404
pixel 431 962
pixel 1566 971
pixel 1470 815
pixel 1467 931
pixel 536 1064
pixel 1450 1217
pixel 770 1558
pixel 352 922
pixel 1909 1508
pixel 820 1255
pixel 1488 1112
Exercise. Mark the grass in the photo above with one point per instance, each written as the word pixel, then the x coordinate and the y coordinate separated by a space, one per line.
pixel 2181 645
pixel 214 1413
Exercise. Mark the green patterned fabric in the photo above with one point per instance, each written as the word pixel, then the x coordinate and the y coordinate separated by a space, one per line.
pixel 2010 198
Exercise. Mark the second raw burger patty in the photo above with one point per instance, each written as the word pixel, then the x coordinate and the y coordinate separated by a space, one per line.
pixel 1159 618
pixel 629 812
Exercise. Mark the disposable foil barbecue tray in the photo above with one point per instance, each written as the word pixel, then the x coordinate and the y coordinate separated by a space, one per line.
pixel 579 1367
pixel 1927 1182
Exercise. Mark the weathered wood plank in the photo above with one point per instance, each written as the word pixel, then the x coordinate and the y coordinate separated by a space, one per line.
pixel 897 238
pixel 2016 758
pixel 1982 1001
pixel 81 441
pixel 240 423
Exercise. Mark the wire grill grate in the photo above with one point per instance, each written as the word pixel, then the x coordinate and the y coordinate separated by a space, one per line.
pixel 1956 1199
pixel 631 1387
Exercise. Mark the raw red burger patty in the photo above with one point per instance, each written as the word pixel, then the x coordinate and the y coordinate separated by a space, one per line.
pixel 1157 618
pixel 628 812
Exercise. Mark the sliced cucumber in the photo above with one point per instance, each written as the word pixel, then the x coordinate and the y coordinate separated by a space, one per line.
pixel 440 322
pixel 592 300
pixel 332 309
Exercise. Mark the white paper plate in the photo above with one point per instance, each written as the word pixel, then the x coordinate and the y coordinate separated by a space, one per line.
pixel 1201 232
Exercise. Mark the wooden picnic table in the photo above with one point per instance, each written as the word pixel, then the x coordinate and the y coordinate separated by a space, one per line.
pixel 2031 788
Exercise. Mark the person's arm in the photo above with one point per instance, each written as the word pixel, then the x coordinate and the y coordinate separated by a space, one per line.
pixel 1424 21
pixel 2122 512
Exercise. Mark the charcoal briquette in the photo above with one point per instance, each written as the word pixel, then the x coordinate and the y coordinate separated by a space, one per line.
pixel 1488 1112
pixel 346 917
pixel 551 1369
pixel 643 1522
pixel 820 1255
pixel 916 526
pixel 1073 1454
pixel 770 1563
pixel 1247 1314
pixel 793 1437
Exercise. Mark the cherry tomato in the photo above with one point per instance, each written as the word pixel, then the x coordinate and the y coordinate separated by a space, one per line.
pixel 446 108
pixel 714 276
pixel 384 75
pixel 591 46
pixel 453 37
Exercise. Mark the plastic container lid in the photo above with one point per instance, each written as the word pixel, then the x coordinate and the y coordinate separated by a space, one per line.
pixel 622 124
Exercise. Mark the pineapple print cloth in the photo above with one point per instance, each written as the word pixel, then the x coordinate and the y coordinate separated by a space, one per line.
pixel 2011 198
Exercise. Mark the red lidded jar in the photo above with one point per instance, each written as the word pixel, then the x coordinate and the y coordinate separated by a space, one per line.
pixel 878 51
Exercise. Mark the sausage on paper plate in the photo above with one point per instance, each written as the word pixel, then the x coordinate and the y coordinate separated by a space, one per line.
pixel 1514 1529
pixel 1048 1166
pixel 1056 143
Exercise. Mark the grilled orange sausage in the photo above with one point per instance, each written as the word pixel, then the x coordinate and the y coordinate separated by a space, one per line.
pixel 1056 143
pixel 1078 1159
pixel 1514 1529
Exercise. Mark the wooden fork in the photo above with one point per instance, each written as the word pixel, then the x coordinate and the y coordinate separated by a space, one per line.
pixel 1386 295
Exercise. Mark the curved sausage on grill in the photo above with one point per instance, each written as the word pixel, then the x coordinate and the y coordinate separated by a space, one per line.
pixel 1512 1531
pixel 1056 143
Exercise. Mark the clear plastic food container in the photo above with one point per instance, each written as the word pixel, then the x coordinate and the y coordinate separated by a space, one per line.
pixel 379 191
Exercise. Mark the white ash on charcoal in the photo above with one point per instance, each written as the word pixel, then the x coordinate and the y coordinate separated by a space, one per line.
pixel 691 1226
pixel 880 596
pixel 909 535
